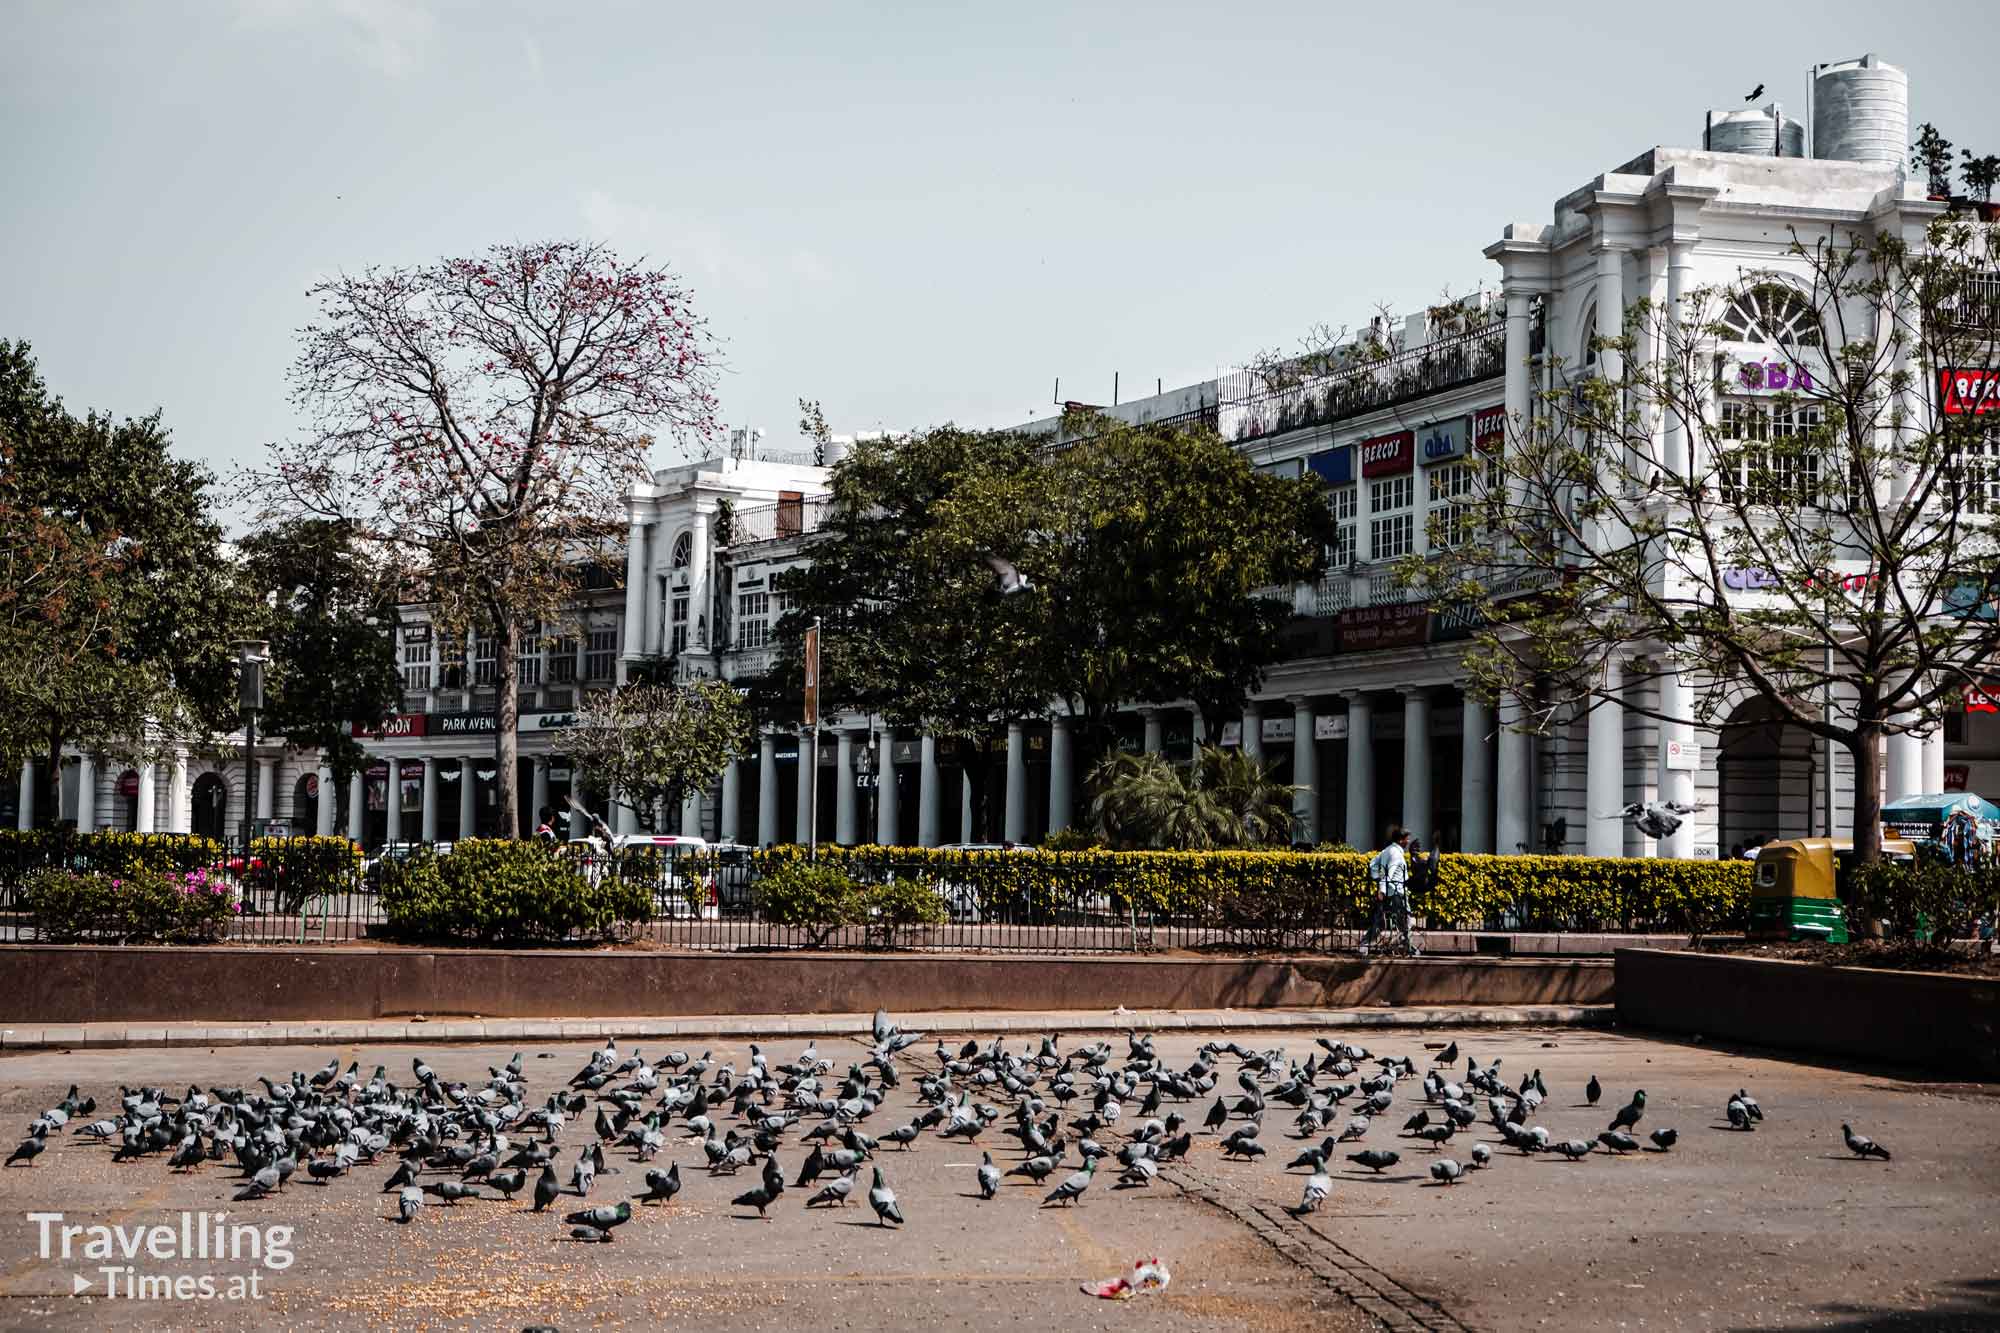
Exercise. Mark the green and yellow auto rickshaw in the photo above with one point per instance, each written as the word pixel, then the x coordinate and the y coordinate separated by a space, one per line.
pixel 1794 887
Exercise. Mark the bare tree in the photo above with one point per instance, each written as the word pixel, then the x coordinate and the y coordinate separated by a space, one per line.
pixel 1787 488
pixel 485 417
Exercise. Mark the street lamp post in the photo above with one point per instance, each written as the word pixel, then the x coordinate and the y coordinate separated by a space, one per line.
pixel 252 655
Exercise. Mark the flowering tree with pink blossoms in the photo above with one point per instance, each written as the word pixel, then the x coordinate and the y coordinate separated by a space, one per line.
pixel 483 419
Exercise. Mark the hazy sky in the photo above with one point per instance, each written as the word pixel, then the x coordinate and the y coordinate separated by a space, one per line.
pixel 913 213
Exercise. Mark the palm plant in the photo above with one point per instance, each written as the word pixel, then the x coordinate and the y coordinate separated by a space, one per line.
pixel 1224 798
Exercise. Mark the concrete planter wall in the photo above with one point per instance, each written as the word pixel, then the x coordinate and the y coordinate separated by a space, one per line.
pixel 1945 1023
pixel 84 984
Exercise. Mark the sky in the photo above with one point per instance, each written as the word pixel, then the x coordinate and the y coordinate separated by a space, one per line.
pixel 913 214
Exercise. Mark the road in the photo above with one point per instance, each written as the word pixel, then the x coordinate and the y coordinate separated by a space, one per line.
pixel 1773 1229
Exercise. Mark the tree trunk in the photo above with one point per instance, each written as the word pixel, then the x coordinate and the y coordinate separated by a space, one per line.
pixel 506 742
pixel 1865 747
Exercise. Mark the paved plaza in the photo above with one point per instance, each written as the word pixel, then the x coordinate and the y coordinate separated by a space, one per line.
pixel 1776 1228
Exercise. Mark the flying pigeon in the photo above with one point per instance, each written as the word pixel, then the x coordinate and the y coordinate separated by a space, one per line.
pixel 1755 93
pixel 1011 579
pixel 1318 1185
pixel 883 1200
pixel 1861 1145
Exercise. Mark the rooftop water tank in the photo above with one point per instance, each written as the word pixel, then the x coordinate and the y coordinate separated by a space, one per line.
pixel 1861 112
pixel 1759 131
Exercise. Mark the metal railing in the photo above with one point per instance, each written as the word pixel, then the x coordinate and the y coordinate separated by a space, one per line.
pixel 1254 407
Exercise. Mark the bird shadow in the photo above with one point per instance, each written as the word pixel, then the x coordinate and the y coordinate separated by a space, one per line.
pixel 1386 1180
pixel 872 1226
pixel 1846 1157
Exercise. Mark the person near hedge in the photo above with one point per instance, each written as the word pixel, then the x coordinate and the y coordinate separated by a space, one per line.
pixel 1389 871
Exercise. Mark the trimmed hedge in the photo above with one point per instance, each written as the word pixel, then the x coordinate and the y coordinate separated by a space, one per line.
pixel 297 870
pixel 1276 897
pixel 119 854
pixel 821 897
pixel 178 906
pixel 494 890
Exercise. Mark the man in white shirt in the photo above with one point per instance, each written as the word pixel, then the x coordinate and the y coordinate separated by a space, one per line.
pixel 1389 872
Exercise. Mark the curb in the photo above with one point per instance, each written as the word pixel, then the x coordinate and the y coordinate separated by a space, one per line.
pixel 114 1036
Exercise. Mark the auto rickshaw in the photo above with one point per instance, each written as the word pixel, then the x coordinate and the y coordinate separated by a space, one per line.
pixel 1794 887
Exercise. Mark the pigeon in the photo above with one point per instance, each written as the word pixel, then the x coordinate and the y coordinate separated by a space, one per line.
pixel 1593 1090
pixel 547 1187
pixel 1072 1189
pixel 1217 1115
pixel 404 1174
pixel 1739 1115
pixel 661 1186
pixel 762 1197
pixel 408 1202
pixel 1449 1055
pixel 261 1184
pixel 1036 1169
pixel 1481 1154
pixel 1446 1171
pixel 1012 580
pixel 1318 1185
pixel 1750 1104
pixel 1755 93
pixel 1618 1142
pixel 834 1191
pixel 1663 1139
pixel 451 1191
pixel 30 1148
pixel 1377 1160
pixel 1573 1148
pixel 1861 1145
pixel 603 1217
pixel 590 1235
pixel 1628 1114
pixel 883 1200
pixel 988 1176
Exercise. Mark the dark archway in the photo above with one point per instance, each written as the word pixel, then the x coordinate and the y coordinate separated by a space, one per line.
pixel 209 814
pixel 305 804
pixel 1765 777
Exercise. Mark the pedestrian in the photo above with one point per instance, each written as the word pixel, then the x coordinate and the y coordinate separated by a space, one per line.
pixel 545 830
pixel 1389 872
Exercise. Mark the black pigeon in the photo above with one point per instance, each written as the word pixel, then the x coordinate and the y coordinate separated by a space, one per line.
pixel 29 1149
pixel 1448 1056
pixel 547 1187
pixel 760 1198
pixel 509 1183
pixel 1664 1139
pixel 1617 1142
pixel 1628 1114
pixel 1861 1145
pixel 662 1186
pixel 404 1174
pixel 1218 1114
pixel 1376 1159
pixel 1593 1090
pixel 1755 93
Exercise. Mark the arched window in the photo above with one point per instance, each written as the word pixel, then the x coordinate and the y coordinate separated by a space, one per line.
pixel 209 812
pixel 683 550
pixel 1771 314
pixel 1588 342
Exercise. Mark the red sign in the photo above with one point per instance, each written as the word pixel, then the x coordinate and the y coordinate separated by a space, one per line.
pixel 1969 393
pixel 400 724
pixel 1386 455
pixel 1403 625
pixel 1489 427
pixel 312 785
pixel 128 784
pixel 1982 699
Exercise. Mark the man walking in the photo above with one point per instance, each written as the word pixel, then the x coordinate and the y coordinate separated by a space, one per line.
pixel 1389 872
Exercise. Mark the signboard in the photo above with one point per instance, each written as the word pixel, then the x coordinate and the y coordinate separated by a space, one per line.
pixel 1277 728
pixel 1335 467
pixel 416 634
pixel 461 724
pixel 1232 733
pixel 1387 455
pixel 1460 620
pixel 1968 393
pixel 1489 427
pixel 1956 776
pixel 907 752
pixel 812 677
pixel 1444 440
pixel 1683 756
pixel 391 728
pixel 312 785
pixel 412 780
pixel 128 783
pixel 1331 727
pixel 544 721
pixel 1982 698
pixel 1403 625
pixel 1770 377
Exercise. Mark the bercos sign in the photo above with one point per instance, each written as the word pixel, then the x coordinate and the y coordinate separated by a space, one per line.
pixel 1387 455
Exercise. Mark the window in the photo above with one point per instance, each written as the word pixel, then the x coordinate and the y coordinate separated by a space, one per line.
pixel 753 625
pixel 451 664
pixel 683 550
pixel 485 663
pixel 1391 523
pixel 562 660
pixel 1453 502
pixel 1342 502
pixel 600 655
pixel 528 666
pixel 1771 314
pixel 1768 454
pixel 678 640
pixel 787 601
pixel 417 665
pixel 1975 476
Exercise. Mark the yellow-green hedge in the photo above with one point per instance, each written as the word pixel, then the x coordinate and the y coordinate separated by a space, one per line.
pixel 1278 893
pixel 24 850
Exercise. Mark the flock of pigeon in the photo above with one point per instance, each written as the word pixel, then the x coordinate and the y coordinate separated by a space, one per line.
pixel 455 1141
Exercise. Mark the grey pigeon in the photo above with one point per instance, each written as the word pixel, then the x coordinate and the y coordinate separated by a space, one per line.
pixel 1318 1185
pixel 1377 1160
pixel 603 1217
pixel 989 1176
pixel 1446 1171
pixel 883 1200
pixel 1618 1142
pixel 1573 1148
pixel 835 1191
pixel 261 1184
pixel 451 1191
pixel 760 1198
pixel 1750 1104
pixel 408 1202
pixel 547 1187
pixel 1072 1189
pixel 1481 1154
pixel 509 1183
pixel 590 1235
pixel 30 1148
pixel 1861 1145
pixel 1739 1115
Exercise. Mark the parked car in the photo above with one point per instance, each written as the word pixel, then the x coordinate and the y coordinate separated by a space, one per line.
pixel 684 883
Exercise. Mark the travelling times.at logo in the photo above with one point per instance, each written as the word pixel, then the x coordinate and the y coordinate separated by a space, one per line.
pixel 165 1261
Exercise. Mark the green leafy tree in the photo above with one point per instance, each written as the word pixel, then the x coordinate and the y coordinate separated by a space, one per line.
pixel 1223 799
pixel 327 603
pixel 1931 154
pixel 146 651
pixel 658 744
pixel 1980 174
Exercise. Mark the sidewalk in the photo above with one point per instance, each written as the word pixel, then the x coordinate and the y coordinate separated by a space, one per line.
pixel 93 1036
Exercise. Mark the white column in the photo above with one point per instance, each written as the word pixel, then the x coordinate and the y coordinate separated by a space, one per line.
pixel 468 809
pixel 1061 778
pixel 1015 821
pixel 392 801
pixel 965 832
pixel 1154 730
pixel 1905 771
pixel 1475 786
pixel 1934 760
pixel 888 817
pixel 1253 730
pixel 1610 309
pixel 1520 405
pixel 324 808
pixel 930 800
pixel 1417 763
pixel 1514 783
pixel 1680 265
pixel 1305 772
pixel 808 763
pixel 635 593
pixel 691 825
pixel 539 787
pixel 767 789
pixel 428 829
pixel 1604 833
pixel 178 818
pixel 357 799
pixel 700 633
pixel 148 816
pixel 1360 831
pixel 267 788
pixel 729 820
pixel 846 820
pixel 86 793
pixel 1677 784
pixel 25 817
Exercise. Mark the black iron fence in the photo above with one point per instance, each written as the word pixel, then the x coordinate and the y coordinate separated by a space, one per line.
pixel 175 889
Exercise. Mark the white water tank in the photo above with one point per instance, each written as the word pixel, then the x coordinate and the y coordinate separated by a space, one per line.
pixel 1861 112
pixel 1758 131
